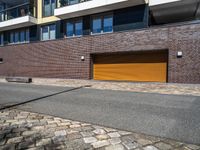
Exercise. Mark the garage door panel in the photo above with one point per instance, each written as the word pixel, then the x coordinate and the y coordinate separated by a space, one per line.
pixel 123 67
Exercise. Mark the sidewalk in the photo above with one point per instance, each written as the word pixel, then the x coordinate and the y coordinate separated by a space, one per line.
pixel 161 88
pixel 26 130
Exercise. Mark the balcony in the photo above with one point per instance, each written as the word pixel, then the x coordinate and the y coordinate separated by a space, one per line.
pixel 18 16
pixel 75 8
pixel 169 11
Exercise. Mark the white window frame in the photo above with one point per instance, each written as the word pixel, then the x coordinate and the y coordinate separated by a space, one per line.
pixel 41 36
pixel 101 16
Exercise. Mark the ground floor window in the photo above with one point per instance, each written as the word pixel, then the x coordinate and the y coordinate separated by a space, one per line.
pixel 74 28
pixel 1 39
pixel 102 23
pixel 48 32
pixel 19 36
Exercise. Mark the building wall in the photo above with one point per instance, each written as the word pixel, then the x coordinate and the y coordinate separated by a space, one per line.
pixel 62 58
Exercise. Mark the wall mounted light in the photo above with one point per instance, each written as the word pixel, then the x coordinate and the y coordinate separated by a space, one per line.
pixel 82 58
pixel 179 54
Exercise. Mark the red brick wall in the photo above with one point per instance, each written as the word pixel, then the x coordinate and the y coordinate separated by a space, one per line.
pixel 62 58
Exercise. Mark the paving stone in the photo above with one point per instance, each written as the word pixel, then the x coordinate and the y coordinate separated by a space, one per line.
pixel 64 124
pixel 115 147
pixel 87 134
pixel 150 148
pixel 102 137
pixel 163 146
pixel 14 140
pixel 124 133
pixel 193 147
pixel 26 144
pixel 43 142
pixel 110 130
pixel 74 136
pixel 99 144
pixel 51 125
pixel 60 133
pixel 75 126
pixel 36 148
pixel 59 139
pixel 130 145
pixel 38 128
pixel 85 124
pixel 89 139
pixel 99 131
pixel 114 141
pixel 114 134
pixel 2 141
pixel 19 130
pixel 12 135
pixel 144 142
pixel 27 133
pixel 71 131
pixel 8 147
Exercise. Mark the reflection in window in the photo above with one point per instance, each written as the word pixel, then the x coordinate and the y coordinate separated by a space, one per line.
pixel 1 39
pixel 96 25
pixel 108 24
pixel 48 7
pixel 78 28
pixel 74 28
pixel 70 29
pixel 48 32
pixel 19 36
pixel 102 23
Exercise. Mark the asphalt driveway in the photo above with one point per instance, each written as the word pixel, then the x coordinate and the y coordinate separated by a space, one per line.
pixel 170 116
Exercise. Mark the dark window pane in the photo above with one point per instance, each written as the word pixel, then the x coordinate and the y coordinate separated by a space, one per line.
pixel 96 25
pixel 27 35
pixel 79 28
pixel 70 29
pixel 22 36
pixel 45 33
pixel 52 29
pixel 11 37
pixel 1 39
pixel 16 40
pixel 108 24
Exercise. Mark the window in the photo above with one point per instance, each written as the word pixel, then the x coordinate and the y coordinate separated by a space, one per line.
pixel 19 36
pixel 48 7
pixel 102 23
pixel 48 32
pixel 74 28
pixel 1 39
pixel 1 60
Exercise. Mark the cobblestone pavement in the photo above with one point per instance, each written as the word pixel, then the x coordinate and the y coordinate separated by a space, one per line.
pixel 26 130
pixel 162 88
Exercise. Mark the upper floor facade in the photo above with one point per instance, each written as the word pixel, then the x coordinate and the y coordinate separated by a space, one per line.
pixel 24 21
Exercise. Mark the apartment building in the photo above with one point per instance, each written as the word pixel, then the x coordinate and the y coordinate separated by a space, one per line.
pixel 120 40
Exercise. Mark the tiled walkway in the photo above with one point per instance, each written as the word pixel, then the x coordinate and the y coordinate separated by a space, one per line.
pixel 26 130
pixel 162 88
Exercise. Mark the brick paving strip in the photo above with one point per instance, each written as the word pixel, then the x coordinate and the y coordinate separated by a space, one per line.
pixel 27 130
pixel 160 88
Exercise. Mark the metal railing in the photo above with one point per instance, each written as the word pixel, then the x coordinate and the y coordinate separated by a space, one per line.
pixel 16 11
pixel 69 2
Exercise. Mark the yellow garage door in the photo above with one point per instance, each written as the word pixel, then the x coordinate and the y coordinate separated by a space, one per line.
pixel 143 66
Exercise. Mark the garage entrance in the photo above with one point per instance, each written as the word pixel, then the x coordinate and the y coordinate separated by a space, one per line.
pixel 138 66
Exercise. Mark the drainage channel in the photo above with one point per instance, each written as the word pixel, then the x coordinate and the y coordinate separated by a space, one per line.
pixel 11 105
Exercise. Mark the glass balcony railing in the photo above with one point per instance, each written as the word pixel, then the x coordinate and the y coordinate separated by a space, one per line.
pixel 16 11
pixel 70 2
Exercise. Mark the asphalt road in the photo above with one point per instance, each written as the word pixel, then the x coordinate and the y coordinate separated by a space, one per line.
pixel 175 117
